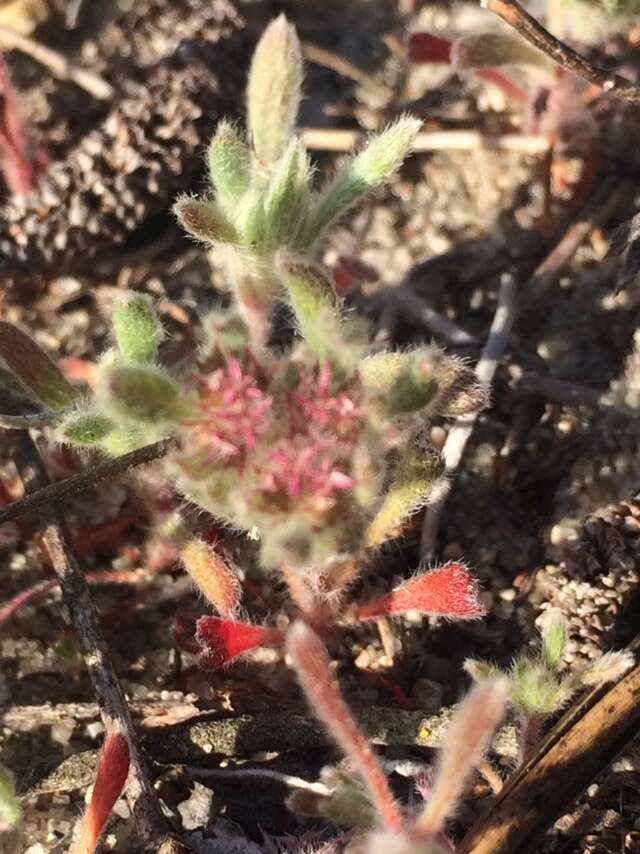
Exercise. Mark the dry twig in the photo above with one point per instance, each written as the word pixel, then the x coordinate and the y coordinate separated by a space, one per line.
pixel 26 422
pixel 514 15
pixel 57 64
pixel 141 795
pixel 332 139
pixel 65 489
pixel 463 427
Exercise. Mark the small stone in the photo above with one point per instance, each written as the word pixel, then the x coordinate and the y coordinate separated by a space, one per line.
pixel 363 660
pixel 95 729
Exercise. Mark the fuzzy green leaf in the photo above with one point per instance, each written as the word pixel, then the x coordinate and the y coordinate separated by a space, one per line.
pixel 139 393
pixel 273 92
pixel 554 642
pixel 491 50
pixel 251 219
pixel 415 479
pixel 287 196
pixel 313 301
pixel 481 670
pixel 34 369
pixel 136 329
pixel 361 175
pixel 406 379
pixel 536 690
pixel 229 166
pixel 205 221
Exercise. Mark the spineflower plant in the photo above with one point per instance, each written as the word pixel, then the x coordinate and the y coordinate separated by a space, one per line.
pixel 317 449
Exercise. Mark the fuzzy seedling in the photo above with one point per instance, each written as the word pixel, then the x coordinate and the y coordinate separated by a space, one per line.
pixel 540 685
pixel 466 742
pixel 318 450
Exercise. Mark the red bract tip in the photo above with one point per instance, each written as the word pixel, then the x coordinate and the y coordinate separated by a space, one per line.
pixel 451 590
pixel 222 641
pixel 113 768
pixel 425 48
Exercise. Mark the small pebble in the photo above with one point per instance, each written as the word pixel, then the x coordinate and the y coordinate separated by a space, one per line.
pixel 95 729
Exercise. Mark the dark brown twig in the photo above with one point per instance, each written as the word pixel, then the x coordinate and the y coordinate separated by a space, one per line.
pixel 514 15
pixel 141 795
pixel 65 489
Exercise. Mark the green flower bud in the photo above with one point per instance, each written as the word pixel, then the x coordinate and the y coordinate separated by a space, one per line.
pixel 85 428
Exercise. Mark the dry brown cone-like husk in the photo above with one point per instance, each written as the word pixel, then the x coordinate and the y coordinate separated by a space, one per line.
pixel 177 69
pixel 597 585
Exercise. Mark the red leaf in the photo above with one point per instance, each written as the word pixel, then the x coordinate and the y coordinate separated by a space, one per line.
pixel 451 590
pixel 222 641
pixel 113 769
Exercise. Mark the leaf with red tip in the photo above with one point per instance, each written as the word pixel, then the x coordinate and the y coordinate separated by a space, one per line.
pixel 113 768
pixel 451 591
pixel 426 48
pixel 222 641
pixel 213 575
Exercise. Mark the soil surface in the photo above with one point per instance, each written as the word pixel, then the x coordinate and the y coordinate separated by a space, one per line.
pixel 542 459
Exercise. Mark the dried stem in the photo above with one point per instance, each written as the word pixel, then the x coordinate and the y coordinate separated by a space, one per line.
pixel 57 64
pixel 334 139
pixel 141 796
pixel 514 15
pixel 26 422
pixel 567 393
pixel 59 492
pixel 463 427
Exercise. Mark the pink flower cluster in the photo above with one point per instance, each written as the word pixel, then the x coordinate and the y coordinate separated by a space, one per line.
pixel 299 448
pixel 234 413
